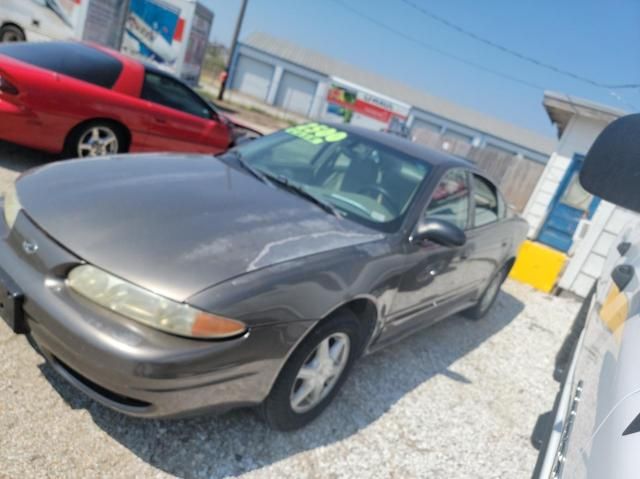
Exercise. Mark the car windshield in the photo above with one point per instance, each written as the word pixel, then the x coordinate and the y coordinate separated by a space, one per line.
pixel 361 179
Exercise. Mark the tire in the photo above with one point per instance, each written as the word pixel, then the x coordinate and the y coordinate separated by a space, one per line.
pixel 484 304
pixel 11 33
pixel 283 410
pixel 96 138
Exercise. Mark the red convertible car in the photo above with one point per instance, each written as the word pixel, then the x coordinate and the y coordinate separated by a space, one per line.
pixel 84 100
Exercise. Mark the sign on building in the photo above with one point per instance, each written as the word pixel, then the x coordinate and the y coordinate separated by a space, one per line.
pixel 350 103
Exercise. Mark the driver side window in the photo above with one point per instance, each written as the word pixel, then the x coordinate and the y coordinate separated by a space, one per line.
pixel 450 199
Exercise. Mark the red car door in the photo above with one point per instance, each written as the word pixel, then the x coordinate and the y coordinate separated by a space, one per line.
pixel 178 119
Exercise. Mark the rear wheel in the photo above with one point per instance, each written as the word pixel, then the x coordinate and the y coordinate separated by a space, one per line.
pixel 98 138
pixel 488 297
pixel 313 374
pixel 11 33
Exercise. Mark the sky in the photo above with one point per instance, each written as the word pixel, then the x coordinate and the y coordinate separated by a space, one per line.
pixel 598 40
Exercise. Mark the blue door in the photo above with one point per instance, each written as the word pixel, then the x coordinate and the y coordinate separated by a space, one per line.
pixel 570 204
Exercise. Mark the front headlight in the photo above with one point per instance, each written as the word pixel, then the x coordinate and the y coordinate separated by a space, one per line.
pixel 148 308
pixel 12 205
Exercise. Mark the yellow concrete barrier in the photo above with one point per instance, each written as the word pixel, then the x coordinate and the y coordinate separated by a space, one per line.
pixel 538 265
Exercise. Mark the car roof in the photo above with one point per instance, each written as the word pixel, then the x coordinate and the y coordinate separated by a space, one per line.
pixel 403 145
pixel 78 60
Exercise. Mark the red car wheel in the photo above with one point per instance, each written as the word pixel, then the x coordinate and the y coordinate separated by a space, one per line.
pixel 96 139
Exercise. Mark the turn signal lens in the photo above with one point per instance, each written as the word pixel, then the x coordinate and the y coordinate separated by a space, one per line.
pixel 149 308
pixel 209 325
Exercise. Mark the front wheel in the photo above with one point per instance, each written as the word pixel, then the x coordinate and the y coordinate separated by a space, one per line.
pixel 488 297
pixel 313 374
pixel 98 138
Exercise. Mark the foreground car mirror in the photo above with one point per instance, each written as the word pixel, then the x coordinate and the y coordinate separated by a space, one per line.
pixel 612 166
pixel 438 231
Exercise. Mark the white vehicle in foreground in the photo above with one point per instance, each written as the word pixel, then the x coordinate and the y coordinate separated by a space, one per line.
pixel 595 427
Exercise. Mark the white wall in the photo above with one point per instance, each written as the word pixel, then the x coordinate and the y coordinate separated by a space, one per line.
pixel 607 222
pixel 576 139
pixel 590 255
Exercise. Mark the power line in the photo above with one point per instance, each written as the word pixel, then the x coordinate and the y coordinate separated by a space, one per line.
pixel 460 59
pixel 521 56
pixel 436 49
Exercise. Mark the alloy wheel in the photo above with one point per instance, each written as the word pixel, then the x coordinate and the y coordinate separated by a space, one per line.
pixel 320 372
pixel 98 141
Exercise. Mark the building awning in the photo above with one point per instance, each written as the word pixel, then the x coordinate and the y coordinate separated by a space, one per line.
pixel 562 107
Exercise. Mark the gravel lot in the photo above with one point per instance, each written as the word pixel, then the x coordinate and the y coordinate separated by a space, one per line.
pixel 456 400
pixel 15 159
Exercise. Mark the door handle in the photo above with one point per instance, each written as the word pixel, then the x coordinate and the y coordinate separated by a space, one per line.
pixel 623 248
pixel 622 275
pixel 161 121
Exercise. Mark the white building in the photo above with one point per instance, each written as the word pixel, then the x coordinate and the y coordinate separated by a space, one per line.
pixel 280 73
pixel 560 213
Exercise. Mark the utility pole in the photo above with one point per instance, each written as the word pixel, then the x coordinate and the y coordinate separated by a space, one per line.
pixel 234 45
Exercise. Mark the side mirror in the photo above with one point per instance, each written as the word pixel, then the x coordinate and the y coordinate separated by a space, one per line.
pixel 438 231
pixel 242 134
pixel 241 139
pixel 213 115
pixel 611 168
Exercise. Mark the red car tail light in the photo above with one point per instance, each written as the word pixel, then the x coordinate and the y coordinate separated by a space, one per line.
pixel 7 87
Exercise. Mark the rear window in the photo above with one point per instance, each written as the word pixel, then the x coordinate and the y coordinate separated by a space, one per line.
pixel 76 60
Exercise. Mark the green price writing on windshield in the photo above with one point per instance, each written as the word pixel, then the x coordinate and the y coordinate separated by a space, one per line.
pixel 316 133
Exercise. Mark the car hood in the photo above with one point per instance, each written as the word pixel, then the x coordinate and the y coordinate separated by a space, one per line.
pixel 177 224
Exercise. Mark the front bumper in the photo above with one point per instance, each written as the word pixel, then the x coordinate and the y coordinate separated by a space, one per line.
pixel 125 365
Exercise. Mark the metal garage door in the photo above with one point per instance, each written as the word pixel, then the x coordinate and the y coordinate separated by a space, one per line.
pixel 296 93
pixel 253 77
pixel 419 124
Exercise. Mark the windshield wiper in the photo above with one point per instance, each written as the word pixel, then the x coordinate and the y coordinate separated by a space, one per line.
pixel 246 166
pixel 284 182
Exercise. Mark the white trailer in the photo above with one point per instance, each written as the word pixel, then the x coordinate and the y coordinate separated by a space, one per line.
pixel 351 103
pixel 171 33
